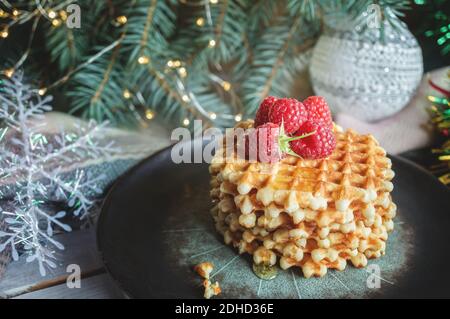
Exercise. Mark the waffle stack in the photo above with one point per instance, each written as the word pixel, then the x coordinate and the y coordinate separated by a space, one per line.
pixel 314 214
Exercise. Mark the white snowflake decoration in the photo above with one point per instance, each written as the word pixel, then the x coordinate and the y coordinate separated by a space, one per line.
pixel 36 166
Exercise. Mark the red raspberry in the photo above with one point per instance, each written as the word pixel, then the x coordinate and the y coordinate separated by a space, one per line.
pixel 318 145
pixel 262 144
pixel 289 111
pixel 262 115
pixel 318 110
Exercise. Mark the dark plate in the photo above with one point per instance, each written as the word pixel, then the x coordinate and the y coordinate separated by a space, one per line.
pixel 155 226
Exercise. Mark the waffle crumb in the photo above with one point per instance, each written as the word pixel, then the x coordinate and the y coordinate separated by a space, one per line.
pixel 211 289
pixel 204 269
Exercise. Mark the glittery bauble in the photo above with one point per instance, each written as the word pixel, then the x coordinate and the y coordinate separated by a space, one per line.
pixel 365 75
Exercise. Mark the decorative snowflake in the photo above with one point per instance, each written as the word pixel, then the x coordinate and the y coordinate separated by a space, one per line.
pixel 35 167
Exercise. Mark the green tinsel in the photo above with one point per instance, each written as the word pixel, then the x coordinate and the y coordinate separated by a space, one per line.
pixel 436 22
pixel 440 116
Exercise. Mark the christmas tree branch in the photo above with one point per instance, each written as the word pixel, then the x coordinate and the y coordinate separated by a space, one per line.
pixel 279 61
pixel 88 62
pixel 173 94
pixel 148 23
pixel 272 64
pixel 220 21
pixel 106 76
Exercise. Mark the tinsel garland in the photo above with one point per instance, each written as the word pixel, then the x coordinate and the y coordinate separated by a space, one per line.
pixel 435 23
pixel 440 116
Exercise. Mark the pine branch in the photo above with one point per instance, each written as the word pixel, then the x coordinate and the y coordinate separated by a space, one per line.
pixel 106 76
pixel 280 57
pixel 272 66
pixel 150 24
pixel 96 91
pixel 308 9
pixel 243 61
pixel 160 93
pixel 68 46
pixel 261 14
pixel 221 41
pixel 351 12
pixel 175 98
pixel 220 20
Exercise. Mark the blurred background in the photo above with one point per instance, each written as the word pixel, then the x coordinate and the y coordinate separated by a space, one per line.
pixel 129 62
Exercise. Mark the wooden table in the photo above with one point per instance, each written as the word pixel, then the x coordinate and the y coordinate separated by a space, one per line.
pixel 22 280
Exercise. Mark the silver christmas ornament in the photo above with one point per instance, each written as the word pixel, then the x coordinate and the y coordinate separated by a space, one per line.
pixel 369 71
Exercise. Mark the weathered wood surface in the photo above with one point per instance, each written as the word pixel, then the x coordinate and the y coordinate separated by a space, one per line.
pixel 96 287
pixel 22 280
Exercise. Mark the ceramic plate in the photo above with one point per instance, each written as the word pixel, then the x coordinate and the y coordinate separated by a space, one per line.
pixel 155 226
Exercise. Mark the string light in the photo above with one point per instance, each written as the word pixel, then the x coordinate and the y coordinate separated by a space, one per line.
pixel 4 33
pixel 52 14
pixel 3 14
pixel 42 91
pixel 143 60
pixel 121 20
pixel 63 15
pixel 226 85
pixel 182 71
pixel 9 72
pixel 126 94
pixel 149 115
pixel 56 23
pixel 15 12
pixel 186 122
pixel 213 1
pixel 238 117
pixel 185 98
pixel 174 63
pixel 200 22
pixel 212 116
pixel 212 43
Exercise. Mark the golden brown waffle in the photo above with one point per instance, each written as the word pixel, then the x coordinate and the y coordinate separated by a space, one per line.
pixel 315 214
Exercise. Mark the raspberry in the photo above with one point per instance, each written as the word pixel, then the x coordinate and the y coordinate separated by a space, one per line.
pixel 290 112
pixel 318 145
pixel 262 143
pixel 262 115
pixel 318 110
